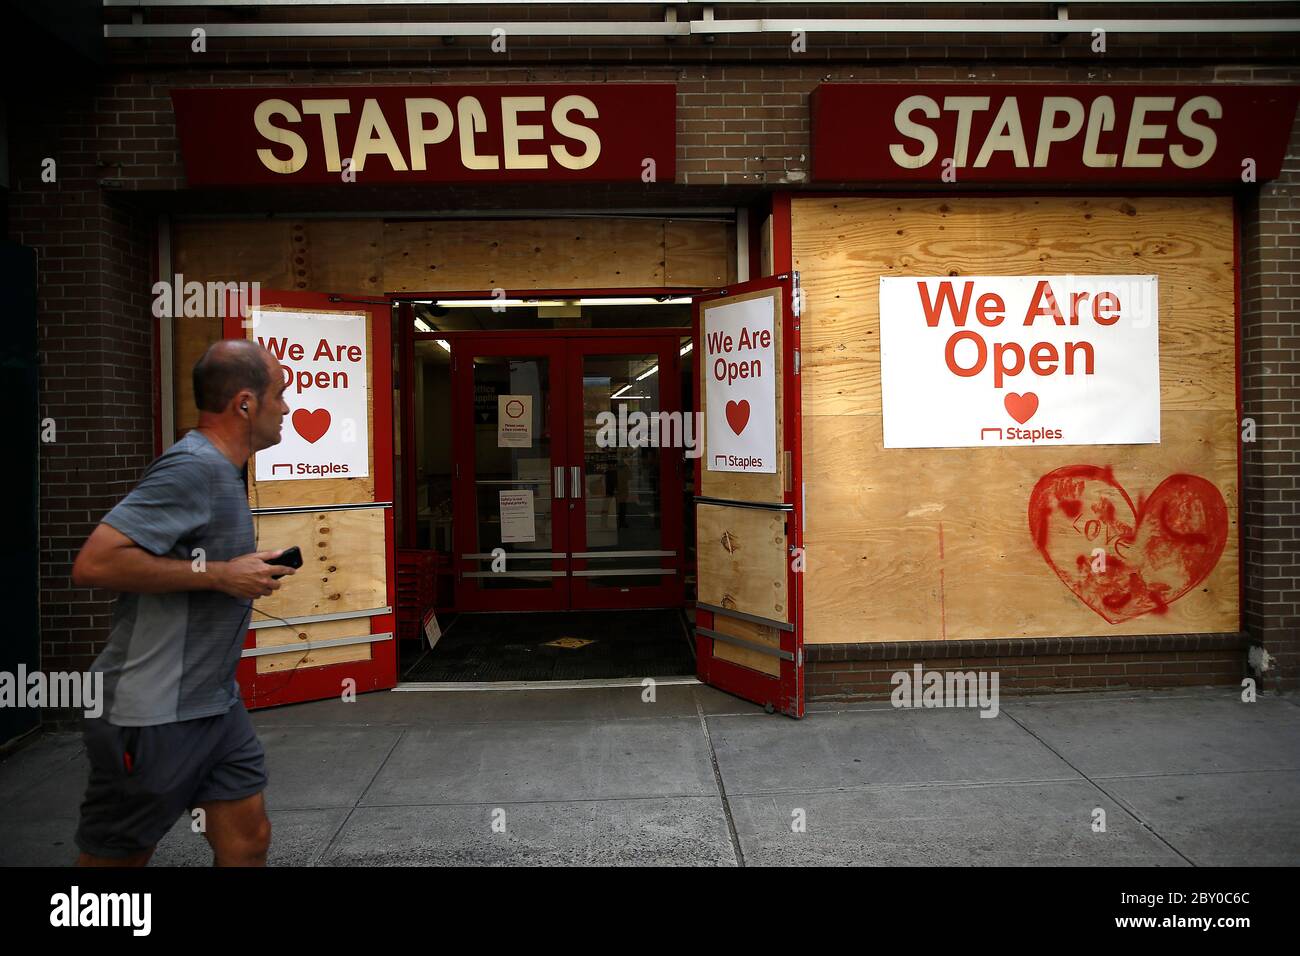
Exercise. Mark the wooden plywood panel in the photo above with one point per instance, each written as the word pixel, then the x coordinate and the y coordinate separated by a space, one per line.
pixel 928 544
pixel 344 564
pixel 741 554
pixel 521 254
pixel 699 252
pixel 339 255
pixel 220 251
pixel 296 657
pixel 843 247
pixel 757 633
pixel 322 491
pixel 749 486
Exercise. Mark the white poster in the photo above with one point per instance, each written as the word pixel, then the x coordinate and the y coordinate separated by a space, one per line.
pixel 514 421
pixel 740 386
pixel 517 522
pixel 326 433
pixel 1019 360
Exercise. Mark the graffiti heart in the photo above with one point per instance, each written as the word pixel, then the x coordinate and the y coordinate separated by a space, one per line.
pixel 1153 553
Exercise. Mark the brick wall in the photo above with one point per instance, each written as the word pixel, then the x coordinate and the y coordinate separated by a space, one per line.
pixel 743 126
pixel 1270 384
pixel 96 355
pixel 1037 666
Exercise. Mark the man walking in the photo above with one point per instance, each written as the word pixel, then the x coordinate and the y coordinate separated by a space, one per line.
pixel 174 734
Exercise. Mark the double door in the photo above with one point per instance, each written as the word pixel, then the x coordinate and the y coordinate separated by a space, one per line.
pixel 569 470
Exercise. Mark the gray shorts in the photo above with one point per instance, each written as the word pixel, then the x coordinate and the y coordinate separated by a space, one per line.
pixel 143 778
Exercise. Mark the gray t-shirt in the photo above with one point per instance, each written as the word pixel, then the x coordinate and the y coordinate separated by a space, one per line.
pixel 172 657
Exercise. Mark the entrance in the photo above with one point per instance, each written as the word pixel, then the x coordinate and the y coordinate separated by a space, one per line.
pixel 564 495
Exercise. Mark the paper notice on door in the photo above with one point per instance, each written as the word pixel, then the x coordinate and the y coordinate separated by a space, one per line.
pixel 517 523
pixel 514 421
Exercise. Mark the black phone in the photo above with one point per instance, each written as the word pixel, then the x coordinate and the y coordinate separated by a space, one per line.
pixel 291 558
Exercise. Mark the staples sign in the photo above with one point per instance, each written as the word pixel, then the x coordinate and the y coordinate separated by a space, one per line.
pixel 600 132
pixel 955 133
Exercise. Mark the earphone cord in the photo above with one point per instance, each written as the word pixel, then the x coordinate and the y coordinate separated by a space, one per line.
pixel 257 534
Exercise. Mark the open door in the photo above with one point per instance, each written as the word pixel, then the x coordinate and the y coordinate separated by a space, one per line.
pixel 749 493
pixel 327 487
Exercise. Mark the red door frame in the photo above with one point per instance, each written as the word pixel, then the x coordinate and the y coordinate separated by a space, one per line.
pixel 469 597
pixel 380 672
pixel 786 692
pixel 567 440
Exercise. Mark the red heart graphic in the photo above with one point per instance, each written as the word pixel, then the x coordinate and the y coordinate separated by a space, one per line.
pixel 1021 407
pixel 1154 554
pixel 311 425
pixel 738 415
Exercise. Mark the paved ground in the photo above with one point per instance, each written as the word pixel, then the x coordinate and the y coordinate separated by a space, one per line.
pixel 598 776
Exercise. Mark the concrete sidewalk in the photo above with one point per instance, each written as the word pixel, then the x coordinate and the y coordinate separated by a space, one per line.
pixel 599 777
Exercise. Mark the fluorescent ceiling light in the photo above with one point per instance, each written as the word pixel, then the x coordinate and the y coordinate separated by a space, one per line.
pixel 423 326
pixel 647 373
pixel 488 303
pixel 444 343
pixel 529 303
pixel 676 300
pixel 686 348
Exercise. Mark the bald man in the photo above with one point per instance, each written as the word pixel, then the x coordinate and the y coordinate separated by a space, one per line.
pixel 174 734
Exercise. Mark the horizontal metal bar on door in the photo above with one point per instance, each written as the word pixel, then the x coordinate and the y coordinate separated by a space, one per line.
pixel 625 554
pixel 316 645
pixel 513 574
pixel 516 555
pixel 612 572
pixel 309 509
pixel 741 642
pixel 742 616
pixel 317 618
pixel 732 503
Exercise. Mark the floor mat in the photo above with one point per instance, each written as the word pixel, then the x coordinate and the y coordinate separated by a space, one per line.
pixel 567 645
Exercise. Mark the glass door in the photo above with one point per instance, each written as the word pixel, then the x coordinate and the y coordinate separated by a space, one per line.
pixel 510 439
pixel 625 470
pixel 568 471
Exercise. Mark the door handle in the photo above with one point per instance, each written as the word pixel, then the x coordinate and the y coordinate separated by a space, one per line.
pixel 575 476
pixel 559 481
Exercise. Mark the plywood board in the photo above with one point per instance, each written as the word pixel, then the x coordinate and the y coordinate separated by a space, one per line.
pixel 696 253
pixel 221 250
pixel 757 633
pixel 302 634
pixel 344 564
pixel 339 255
pixel 749 486
pixel 742 555
pixel 843 246
pixel 522 254
pixel 933 544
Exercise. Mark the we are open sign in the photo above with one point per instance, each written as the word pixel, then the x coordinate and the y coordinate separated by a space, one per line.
pixel 1019 360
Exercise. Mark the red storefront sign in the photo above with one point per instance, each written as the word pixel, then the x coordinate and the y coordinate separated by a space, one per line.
pixel 1058 133
pixel 599 132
